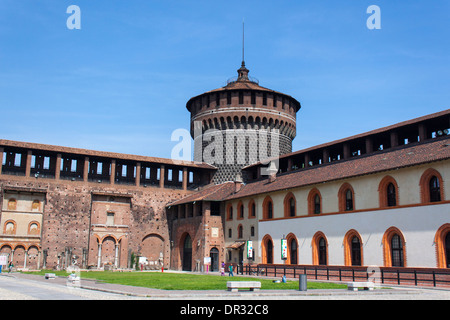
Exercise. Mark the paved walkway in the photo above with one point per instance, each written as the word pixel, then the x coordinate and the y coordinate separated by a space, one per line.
pixel 26 286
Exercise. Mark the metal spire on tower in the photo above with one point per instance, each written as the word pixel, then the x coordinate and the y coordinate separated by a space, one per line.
pixel 243 43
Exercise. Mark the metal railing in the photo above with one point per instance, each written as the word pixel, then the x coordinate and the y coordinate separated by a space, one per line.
pixel 380 275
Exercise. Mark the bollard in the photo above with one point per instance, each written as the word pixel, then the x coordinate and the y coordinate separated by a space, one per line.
pixel 302 284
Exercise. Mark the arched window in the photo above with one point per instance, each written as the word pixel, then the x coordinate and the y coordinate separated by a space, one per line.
pixel 397 251
pixel 388 192
pixel 431 186
pixel 230 212
pixel 391 195
pixel 289 205
pixel 442 244
pixel 292 207
pixel 356 251
pixel 33 228
pixel 314 202
pixel 394 248
pixel 240 214
pixel 9 227
pixel 252 209
pixel 353 248
pixel 268 208
pixel 322 252
pixel 435 190
pixel 346 198
pixel 319 249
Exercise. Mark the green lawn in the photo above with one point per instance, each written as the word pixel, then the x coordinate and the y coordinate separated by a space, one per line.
pixel 185 281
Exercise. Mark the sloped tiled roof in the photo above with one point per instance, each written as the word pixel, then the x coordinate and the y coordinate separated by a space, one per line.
pixel 211 193
pixel 400 157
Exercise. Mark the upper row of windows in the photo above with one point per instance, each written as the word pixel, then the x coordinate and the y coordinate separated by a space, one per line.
pixel 199 104
pixel 35 205
pixel 430 184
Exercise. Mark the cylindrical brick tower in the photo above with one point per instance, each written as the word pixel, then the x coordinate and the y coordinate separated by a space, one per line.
pixel 240 124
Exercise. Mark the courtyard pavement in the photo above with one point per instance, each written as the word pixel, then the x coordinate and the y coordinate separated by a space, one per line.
pixel 18 286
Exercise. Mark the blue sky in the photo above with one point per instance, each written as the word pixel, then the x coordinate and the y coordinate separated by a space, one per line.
pixel 121 83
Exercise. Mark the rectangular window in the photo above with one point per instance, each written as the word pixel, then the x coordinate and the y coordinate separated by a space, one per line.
pixel 241 97
pixel 17 159
pixel 264 99
pixel 73 167
pixel 110 218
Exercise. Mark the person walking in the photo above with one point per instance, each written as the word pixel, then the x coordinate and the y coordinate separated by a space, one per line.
pixel 230 271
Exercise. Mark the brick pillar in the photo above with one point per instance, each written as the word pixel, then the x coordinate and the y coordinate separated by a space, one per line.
pixel 394 139
pixel 138 174
pixel 369 145
pixel 307 159
pixel 346 151
pixel 112 177
pixel 58 166
pixel 28 164
pixel 185 177
pixel 86 169
pixel 162 174
pixel 422 132
pixel 325 156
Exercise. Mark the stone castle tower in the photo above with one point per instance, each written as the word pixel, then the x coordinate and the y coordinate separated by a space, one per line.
pixel 240 124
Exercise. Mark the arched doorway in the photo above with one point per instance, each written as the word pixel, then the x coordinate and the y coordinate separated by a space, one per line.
pixel 187 253
pixel 214 254
pixel 269 248
pixel 292 257
pixel 153 249
pixel 108 251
